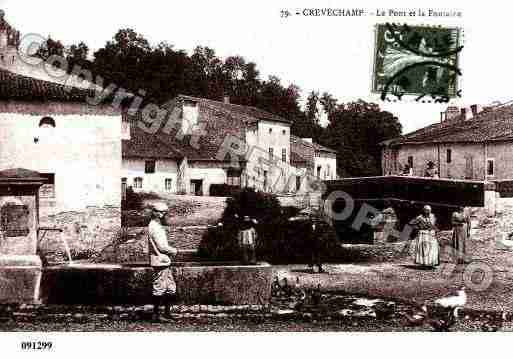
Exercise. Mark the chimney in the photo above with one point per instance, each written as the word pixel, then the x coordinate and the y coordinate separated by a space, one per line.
pixel 189 116
pixel 226 99
pixel 463 113
pixel 451 113
pixel 473 108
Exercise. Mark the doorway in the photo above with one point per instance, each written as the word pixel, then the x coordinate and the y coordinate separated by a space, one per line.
pixel 197 187
pixel 469 167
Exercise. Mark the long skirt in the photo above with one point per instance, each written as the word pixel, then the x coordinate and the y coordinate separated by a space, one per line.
pixel 427 250
pixel 459 238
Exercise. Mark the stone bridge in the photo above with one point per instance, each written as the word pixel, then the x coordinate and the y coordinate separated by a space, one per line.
pixel 407 195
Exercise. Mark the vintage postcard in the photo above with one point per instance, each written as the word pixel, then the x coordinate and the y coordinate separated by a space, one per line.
pixel 244 167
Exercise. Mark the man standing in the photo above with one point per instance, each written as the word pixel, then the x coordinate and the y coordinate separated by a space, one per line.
pixel 164 286
pixel 316 245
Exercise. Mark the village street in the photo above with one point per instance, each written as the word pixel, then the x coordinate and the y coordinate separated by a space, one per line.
pixel 395 279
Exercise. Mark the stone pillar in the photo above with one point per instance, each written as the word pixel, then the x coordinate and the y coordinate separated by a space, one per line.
pixel 20 266
pixel 490 198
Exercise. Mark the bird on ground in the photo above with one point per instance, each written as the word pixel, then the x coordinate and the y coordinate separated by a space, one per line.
pixel 458 300
pixel 316 295
pixel 298 291
pixel 286 288
pixel 418 317
pixel 276 287
pixel 444 323
pixel 384 310
pixel 298 296
pixel 494 322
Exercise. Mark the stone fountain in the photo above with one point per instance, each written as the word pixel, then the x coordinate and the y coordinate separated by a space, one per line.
pixel 20 266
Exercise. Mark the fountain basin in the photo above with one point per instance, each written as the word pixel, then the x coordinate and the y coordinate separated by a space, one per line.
pixel 20 276
pixel 227 283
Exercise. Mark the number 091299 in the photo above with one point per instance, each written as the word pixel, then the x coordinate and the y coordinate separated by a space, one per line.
pixel 36 345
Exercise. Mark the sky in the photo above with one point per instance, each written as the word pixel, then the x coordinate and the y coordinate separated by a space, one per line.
pixel 333 54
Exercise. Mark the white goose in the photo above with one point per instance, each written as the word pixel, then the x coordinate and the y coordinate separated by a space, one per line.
pixel 453 301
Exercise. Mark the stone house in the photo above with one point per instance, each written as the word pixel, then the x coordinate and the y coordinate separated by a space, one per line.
pixel 320 161
pixel 475 145
pixel 204 142
pixel 76 147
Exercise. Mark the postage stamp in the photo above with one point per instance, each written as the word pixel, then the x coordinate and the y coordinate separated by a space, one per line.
pixel 421 62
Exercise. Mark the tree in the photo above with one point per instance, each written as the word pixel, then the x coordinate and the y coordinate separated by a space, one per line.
pixel 131 62
pixel 312 110
pixel 77 55
pixel 50 48
pixel 356 129
pixel 328 102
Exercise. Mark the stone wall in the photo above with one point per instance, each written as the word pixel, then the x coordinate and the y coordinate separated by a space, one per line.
pixel 466 159
pixel 204 283
pixel 92 228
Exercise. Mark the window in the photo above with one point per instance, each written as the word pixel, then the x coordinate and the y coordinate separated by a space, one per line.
pixel 284 132
pixel 270 130
pixel 47 122
pixel 319 168
pixel 138 181
pixel 490 167
pixel 271 153
pixel 47 190
pixel 149 166
pixel 449 155
pixel 233 177
pixel 284 154
pixel 168 183
pixel 328 172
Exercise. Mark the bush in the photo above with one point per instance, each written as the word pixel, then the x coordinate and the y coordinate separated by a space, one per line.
pixel 135 218
pixel 220 243
pixel 223 190
pixel 294 241
pixel 261 206
pixel 279 240
pixel 133 201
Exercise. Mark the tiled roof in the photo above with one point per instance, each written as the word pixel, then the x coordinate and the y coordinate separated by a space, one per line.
pixel 493 125
pixel 297 159
pixel 301 152
pixel 247 114
pixel 147 145
pixel 313 145
pixel 18 87
pixel 223 119
pixel 144 144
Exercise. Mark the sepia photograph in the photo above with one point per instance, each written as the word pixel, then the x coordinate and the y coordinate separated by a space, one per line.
pixel 236 167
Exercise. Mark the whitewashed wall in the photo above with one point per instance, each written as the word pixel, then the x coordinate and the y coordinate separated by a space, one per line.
pixel 328 167
pixel 84 152
pixel 152 182
pixel 209 175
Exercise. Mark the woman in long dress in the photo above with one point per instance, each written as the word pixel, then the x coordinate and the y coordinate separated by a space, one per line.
pixel 460 234
pixel 427 249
